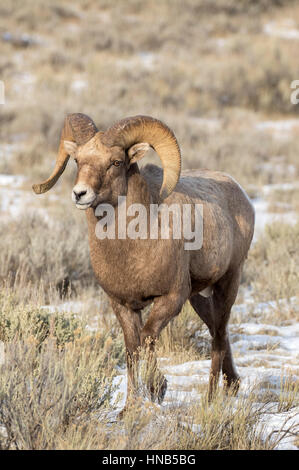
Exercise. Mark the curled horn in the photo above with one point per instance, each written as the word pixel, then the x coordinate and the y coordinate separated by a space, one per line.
pixel 77 128
pixel 133 130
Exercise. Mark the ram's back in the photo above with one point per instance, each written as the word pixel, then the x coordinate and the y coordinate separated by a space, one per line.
pixel 201 185
pixel 228 215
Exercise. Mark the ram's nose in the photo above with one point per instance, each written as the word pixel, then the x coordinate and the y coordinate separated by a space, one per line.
pixel 78 194
pixel 83 196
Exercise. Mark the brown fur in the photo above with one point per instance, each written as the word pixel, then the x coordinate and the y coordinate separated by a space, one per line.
pixel 135 273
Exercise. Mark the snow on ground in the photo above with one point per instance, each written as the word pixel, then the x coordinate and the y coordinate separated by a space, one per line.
pixel 78 85
pixel 12 180
pixel 208 124
pixel 147 60
pixel 74 307
pixel 80 309
pixel 264 216
pixel 268 188
pixel 7 151
pixel 266 356
pixel 280 129
pixel 284 29
pixel 16 201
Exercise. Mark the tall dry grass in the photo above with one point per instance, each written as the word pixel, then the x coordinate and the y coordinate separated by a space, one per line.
pixel 272 267
pixel 57 382
pixel 113 59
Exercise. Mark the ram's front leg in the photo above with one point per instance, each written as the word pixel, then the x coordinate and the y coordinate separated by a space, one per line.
pixel 164 309
pixel 131 323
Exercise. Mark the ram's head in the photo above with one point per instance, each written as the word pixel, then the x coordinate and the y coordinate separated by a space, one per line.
pixel 105 159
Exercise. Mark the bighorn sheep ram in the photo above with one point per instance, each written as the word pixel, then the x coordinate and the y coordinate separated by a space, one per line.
pixel 137 272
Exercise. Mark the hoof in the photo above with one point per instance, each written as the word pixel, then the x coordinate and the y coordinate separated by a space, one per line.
pixel 162 392
pixel 232 385
pixel 121 415
pixel 158 392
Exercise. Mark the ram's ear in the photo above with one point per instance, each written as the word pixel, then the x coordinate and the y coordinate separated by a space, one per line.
pixel 137 151
pixel 70 148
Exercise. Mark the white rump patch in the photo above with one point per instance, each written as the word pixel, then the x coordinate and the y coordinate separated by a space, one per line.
pixel 207 292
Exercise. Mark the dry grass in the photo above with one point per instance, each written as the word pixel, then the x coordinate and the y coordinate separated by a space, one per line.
pixel 64 401
pixel 289 392
pixel 280 200
pixel 272 267
pixel 183 339
pixel 51 257
pixel 227 425
pixel 55 377
pixel 93 43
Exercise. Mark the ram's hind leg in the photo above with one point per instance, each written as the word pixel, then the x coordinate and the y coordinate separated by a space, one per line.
pixel 215 312
pixel 205 308
pixel 226 293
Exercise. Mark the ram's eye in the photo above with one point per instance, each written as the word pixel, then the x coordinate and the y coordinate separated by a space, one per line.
pixel 117 162
pixel 75 160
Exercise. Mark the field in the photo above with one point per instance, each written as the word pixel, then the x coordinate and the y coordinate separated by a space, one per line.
pixel 219 73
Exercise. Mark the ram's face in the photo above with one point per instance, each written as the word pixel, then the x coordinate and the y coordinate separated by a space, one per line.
pixel 102 171
pixel 104 158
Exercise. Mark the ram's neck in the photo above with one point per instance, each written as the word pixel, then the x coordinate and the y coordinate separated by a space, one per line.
pixel 138 190
pixel 116 253
pixel 138 193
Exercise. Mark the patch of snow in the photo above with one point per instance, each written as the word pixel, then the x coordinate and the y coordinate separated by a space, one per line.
pixel 12 180
pixel 14 202
pixel 120 393
pixel 78 85
pixel 148 59
pixel 275 424
pixel 8 150
pixel 278 166
pixel 17 202
pixel 24 84
pixel 257 310
pixel 208 124
pixel 71 306
pixel 180 397
pixel 264 217
pixel 244 342
pixel 66 307
pixel 284 29
pixel 221 42
pixel 280 129
pixel 182 380
pixel 22 39
pixel 269 188
pixel 188 368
